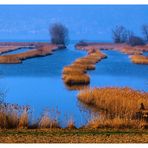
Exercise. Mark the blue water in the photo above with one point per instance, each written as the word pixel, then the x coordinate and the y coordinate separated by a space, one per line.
pixel 37 82
pixel 118 70
pixel 17 51
pixel 145 53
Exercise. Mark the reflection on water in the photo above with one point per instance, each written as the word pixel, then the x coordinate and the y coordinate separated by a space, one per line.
pixel 37 82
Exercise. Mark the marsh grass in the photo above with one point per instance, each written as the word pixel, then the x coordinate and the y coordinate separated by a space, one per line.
pixel 47 122
pixel 79 79
pixel 115 102
pixel 71 124
pixel 23 120
pixel 117 123
pixel 139 59
pixel 74 74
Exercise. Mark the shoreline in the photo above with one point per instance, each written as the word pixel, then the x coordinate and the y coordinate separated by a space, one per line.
pixel 39 49
pixel 135 53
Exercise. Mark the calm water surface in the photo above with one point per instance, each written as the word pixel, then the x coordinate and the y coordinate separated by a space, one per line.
pixel 17 51
pixel 37 82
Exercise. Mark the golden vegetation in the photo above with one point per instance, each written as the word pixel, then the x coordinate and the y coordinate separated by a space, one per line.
pixel 47 122
pixel 38 51
pixel 135 51
pixel 139 59
pixel 117 102
pixel 74 74
pixel 13 116
pixel 71 124
pixel 117 123
pixel 118 105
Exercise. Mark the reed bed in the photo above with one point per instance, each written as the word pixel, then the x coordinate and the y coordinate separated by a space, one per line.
pixel 37 51
pixel 71 124
pixel 14 116
pixel 80 79
pixel 130 51
pixel 139 59
pixel 115 102
pixel 74 74
pixel 116 123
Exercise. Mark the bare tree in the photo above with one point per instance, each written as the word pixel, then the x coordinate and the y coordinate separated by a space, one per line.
pixel 135 40
pixel 59 34
pixel 119 34
pixel 145 32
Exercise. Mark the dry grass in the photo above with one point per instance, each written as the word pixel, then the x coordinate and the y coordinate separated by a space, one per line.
pixel 47 122
pixel 23 120
pixel 12 116
pixel 74 74
pixel 139 59
pixel 118 107
pixel 17 58
pixel 73 70
pixel 80 79
pixel 116 123
pixel 131 51
pixel 71 124
pixel 117 102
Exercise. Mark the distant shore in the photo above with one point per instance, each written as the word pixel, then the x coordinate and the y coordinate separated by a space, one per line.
pixel 135 53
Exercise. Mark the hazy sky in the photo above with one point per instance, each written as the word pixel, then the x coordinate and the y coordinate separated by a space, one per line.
pixel 20 22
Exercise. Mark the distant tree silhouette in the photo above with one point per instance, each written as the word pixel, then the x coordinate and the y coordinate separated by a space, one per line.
pixel 119 34
pixel 135 40
pixel 59 34
pixel 145 32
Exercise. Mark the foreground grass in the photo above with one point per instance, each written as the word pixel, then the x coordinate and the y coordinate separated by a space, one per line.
pixel 73 136
pixel 119 107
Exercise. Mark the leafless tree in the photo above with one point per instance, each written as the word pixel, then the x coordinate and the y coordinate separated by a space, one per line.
pixel 59 34
pixel 135 40
pixel 145 32
pixel 119 34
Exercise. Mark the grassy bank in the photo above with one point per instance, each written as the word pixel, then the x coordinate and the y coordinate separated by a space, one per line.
pixel 73 136
pixel 119 107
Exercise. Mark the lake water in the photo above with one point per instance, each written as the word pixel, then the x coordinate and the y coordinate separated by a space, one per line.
pixel 145 53
pixel 37 82
pixel 17 51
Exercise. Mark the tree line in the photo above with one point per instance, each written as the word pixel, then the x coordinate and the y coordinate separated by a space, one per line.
pixel 60 35
pixel 121 35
